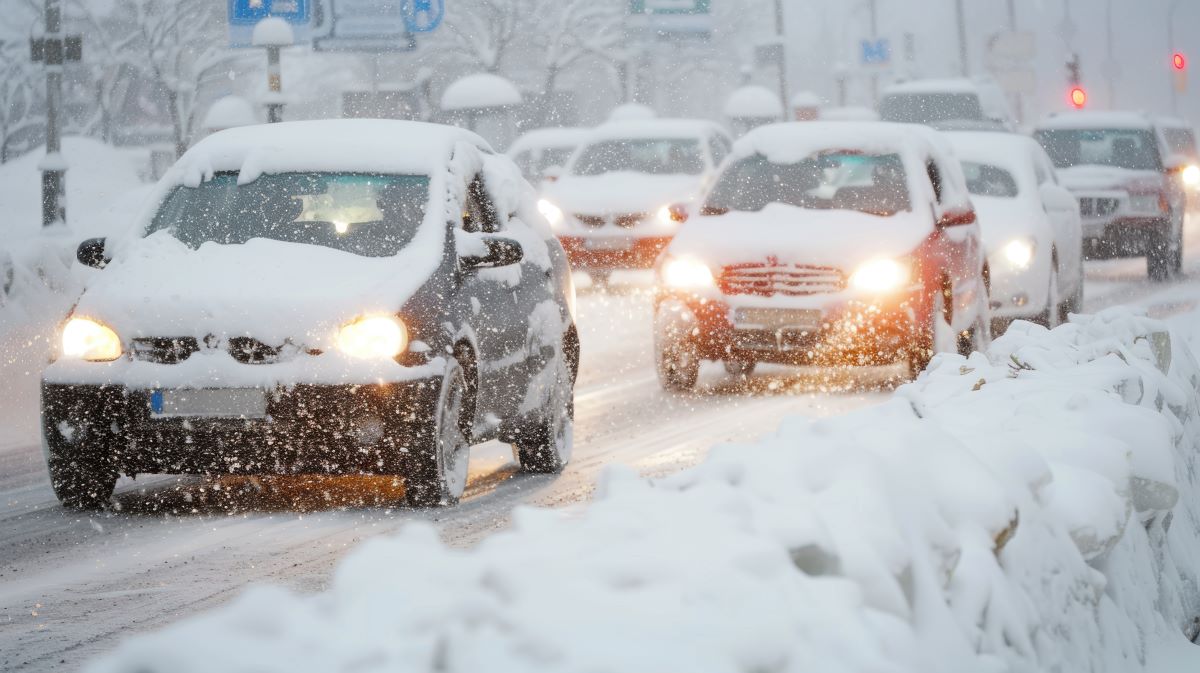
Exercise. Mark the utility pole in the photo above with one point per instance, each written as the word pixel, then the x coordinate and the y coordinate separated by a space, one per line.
pixel 273 33
pixel 874 40
pixel 54 49
pixel 1018 100
pixel 1174 7
pixel 1111 68
pixel 781 53
pixel 963 55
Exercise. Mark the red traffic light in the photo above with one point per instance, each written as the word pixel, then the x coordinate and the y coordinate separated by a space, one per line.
pixel 1179 61
pixel 1078 97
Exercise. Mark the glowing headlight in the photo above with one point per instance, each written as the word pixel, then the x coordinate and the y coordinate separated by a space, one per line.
pixel 686 273
pixel 1191 176
pixel 1019 253
pixel 379 337
pixel 552 213
pixel 881 275
pixel 665 217
pixel 89 340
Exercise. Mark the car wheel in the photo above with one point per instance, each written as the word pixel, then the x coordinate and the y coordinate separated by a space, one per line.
pixel 739 366
pixel 1074 303
pixel 545 448
pixel 936 337
pixel 1052 316
pixel 435 465
pixel 79 474
pixel 1165 257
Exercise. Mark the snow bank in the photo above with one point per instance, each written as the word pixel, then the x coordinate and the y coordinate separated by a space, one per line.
pixel 1031 509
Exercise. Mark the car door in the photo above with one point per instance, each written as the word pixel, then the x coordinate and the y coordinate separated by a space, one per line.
pixel 958 242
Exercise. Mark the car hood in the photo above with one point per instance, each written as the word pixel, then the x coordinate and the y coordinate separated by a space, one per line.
pixel 790 235
pixel 622 192
pixel 270 290
pixel 1002 220
pixel 1104 178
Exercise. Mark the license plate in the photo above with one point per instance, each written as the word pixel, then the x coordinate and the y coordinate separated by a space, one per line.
pixel 774 318
pixel 209 403
pixel 607 244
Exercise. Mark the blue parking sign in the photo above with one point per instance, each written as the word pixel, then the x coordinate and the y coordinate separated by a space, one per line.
pixel 876 52
pixel 250 12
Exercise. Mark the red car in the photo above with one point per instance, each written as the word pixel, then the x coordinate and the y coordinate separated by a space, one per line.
pixel 825 244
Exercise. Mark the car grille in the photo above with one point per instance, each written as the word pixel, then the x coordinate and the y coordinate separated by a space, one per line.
pixel 626 220
pixel 164 350
pixel 173 350
pixel 778 279
pixel 1090 206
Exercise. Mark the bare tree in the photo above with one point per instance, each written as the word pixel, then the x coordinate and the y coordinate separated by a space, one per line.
pixel 567 32
pixel 19 109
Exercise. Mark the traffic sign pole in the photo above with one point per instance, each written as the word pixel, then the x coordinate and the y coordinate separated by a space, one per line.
pixel 274 85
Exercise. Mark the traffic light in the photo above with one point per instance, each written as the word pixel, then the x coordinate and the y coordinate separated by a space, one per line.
pixel 1179 61
pixel 1078 97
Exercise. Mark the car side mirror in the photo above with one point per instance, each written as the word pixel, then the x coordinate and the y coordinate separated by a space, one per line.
pixel 956 218
pixel 678 212
pixel 91 253
pixel 552 173
pixel 499 252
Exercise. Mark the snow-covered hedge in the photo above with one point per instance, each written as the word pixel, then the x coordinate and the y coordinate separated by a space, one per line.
pixel 1034 509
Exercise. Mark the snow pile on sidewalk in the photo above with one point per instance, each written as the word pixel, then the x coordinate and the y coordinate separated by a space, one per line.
pixel 1034 509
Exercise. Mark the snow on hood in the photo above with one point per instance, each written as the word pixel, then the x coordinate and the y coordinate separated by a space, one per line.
pixel 794 235
pixel 270 290
pixel 1106 178
pixel 622 192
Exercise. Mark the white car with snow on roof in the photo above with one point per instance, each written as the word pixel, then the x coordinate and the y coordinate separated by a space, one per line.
pixel 542 154
pixel 1031 227
pixel 611 207
pixel 824 243
pixel 339 297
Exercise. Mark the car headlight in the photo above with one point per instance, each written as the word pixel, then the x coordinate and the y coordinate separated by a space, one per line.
pixel 89 340
pixel 552 213
pixel 665 216
pixel 685 272
pixel 378 337
pixel 1146 203
pixel 881 275
pixel 1019 253
pixel 1191 176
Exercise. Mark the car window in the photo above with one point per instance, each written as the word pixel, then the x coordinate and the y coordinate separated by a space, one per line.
pixel 928 108
pixel 935 179
pixel 1135 149
pixel 523 160
pixel 364 214
pixel 479 213
pixel 718 149
pixel 988 180
pixel 554 156
pixel 655 156
pixel 874 184
pixel 1180 141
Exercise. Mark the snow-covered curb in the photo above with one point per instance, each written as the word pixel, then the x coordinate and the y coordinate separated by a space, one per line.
pixel 1034 509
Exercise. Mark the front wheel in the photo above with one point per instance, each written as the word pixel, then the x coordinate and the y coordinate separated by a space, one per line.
pixel 545 447
pixel 1165 258
pixel 80 476
pixel 435 464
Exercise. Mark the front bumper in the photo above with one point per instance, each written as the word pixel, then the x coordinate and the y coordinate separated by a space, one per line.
pixel 837 330
pixel 630 252
pixel 325 429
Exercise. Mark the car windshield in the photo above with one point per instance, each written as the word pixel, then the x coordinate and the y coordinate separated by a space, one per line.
pixel 1134 149
pixel 655 156
pixel 988 180
pixel 929 108
pixel 1181 141
pixel 874 184
pixel 554 156
pixel 367 215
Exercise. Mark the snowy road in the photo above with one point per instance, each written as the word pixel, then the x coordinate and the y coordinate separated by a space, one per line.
pixel 72 585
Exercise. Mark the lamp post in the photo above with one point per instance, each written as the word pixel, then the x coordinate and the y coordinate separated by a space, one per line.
pixel 273 33
pixel 54 49
pixel 1174 7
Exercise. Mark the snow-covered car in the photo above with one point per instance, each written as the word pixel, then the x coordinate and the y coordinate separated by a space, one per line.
pixel 611 207
pixel 542 154
pixel 936 102
pixel 1179 137
pixel 1031 227
pixel 1127 185
pixel 338 297
pixel 825 243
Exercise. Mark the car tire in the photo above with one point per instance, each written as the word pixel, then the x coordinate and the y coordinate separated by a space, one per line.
pixel 1165 257
pixel 935 337
pixel 739 366
pixel 82 478
pixel 435 463
pixel 1052 316
pixel 678 365
pixel 545 447
pixel 1074 303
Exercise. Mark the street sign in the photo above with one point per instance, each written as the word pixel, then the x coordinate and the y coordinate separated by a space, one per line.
pixel 424 16
pixel 672 18
pixel 373 25
pixel 876 52
pixel 245 14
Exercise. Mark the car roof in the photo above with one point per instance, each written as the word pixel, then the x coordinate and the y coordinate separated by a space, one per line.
pixel 654 128
pixel 549 137
pixel 788 142
pixel 917 86
pixel 1095 119
pixel 328 145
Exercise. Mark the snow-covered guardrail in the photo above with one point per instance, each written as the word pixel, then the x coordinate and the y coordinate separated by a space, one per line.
pixel 1031 509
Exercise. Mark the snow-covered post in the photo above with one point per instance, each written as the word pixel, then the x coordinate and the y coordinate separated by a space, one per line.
pixel 273 33
pixel 54 49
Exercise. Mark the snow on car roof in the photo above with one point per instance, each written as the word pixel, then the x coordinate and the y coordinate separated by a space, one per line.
pixel 753 102
pixel 790 142
pixel 652 128
pixel 1096 120
pixel 481 90
pixel 549 137
pixel 350 145
pixel 1009 151
pixel 957 85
